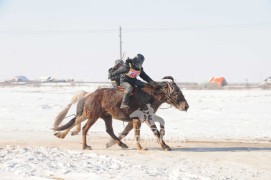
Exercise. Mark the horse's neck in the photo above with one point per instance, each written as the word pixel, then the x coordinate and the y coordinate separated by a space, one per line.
pixel 153 92
pixel 155 105
pixel 156 95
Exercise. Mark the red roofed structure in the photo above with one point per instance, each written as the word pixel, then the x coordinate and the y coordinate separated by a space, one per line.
pixel 220 81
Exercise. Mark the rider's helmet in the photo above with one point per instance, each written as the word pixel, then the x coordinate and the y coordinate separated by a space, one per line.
pixel 138 60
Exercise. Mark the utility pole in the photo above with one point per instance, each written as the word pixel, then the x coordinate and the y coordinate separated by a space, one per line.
pixel 120 45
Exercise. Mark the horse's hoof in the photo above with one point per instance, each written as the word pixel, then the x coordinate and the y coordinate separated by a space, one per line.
pixel 59 135
pixel 167 148
pixel 87 147
pixel 74 133
pixel 139 147
pixel 124 146
pixel 109 144
pixel 143 149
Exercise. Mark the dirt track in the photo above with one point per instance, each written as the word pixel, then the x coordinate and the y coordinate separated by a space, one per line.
pixel 255 155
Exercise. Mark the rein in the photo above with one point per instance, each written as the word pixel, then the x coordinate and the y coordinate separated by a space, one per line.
pixel 167 107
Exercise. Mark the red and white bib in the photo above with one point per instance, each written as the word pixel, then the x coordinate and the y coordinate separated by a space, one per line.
pixel 132 73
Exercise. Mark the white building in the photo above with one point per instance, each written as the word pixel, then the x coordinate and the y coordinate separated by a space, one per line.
pixel 20 79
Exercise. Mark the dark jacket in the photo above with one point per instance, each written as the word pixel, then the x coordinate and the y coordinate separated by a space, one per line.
pixel 116 78
pixel 122 70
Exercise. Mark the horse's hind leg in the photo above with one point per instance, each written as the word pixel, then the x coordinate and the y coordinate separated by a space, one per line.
pixel 63 134
pixel 85 129
pixel 110 131
pixel 77 129
pixel 124 133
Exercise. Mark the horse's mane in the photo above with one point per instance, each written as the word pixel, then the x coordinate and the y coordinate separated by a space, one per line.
pixel 154 90
pixel 160 89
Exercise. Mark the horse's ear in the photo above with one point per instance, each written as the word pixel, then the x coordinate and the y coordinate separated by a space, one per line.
pixel 169 77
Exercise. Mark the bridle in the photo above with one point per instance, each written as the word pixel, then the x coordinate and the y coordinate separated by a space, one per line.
pixel 168 92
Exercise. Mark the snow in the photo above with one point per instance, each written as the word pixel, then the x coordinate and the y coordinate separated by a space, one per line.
pixel 242 116
pixel 53 163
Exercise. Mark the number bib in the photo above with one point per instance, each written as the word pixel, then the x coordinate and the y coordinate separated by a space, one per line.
pixel 132 73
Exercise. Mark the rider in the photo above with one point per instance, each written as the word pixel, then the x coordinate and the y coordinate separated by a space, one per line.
pixel 128 77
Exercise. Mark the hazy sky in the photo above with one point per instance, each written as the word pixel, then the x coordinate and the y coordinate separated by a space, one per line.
pixel 191 40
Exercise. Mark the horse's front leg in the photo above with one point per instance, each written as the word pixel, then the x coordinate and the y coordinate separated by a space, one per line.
pixel 155 131
pixel 137 125
pixel 161 121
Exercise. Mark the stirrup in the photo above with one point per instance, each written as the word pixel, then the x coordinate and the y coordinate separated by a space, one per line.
pixel 123 106
pixel 120 88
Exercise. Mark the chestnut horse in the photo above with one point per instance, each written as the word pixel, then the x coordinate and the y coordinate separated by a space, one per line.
pixel 105 103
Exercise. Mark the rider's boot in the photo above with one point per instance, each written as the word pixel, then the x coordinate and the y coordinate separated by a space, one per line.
pixel 125 101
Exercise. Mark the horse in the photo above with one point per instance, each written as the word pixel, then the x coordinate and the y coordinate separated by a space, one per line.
pixel 146 116
pixel 105 103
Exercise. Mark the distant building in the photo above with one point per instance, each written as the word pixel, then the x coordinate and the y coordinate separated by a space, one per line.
pixel 60 80
pixel 220 81
pixel 51 79
pixel 268 80
pixel 20 79
pixel 47 79
pixel 266 84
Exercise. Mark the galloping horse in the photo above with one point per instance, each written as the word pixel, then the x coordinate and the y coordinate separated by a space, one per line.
pixel 105 103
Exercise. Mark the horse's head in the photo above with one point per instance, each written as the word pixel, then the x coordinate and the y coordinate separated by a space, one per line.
pixel 173 95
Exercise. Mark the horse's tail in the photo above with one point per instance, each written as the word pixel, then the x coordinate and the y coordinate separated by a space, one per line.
pixel 65 126
pixel 64 112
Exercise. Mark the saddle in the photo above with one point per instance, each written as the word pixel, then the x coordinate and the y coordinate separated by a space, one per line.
pixel 120 88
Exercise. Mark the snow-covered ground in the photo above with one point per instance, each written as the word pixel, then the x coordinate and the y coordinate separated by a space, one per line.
pixel 218 116
pixel 213 115
pixel 53 163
